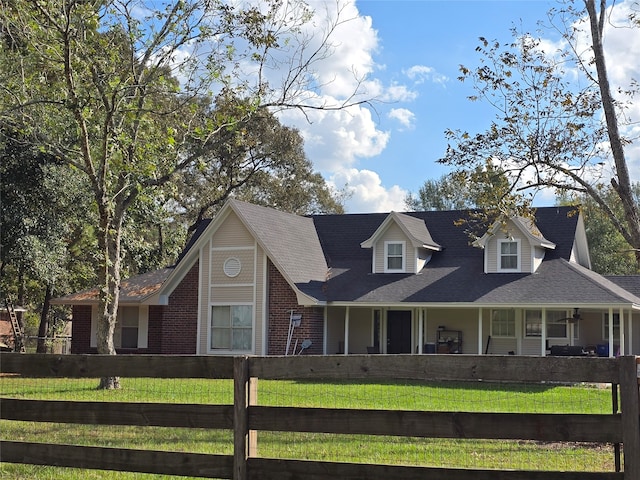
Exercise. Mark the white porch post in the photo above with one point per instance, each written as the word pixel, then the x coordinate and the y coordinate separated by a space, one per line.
pixel 611 332
pixel 630 332
pixel 346 332
pixel 420 330
pixel 326 331
pixel 543 334
pixel 621 332
pixel 480 331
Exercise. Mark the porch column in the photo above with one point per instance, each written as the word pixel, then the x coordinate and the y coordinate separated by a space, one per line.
pixel 346 332
pixel 420 330
pixel 480 331
pixel 630 332
pixel 621 332
pixel 543 334
pixel 611 332
pixel 325 334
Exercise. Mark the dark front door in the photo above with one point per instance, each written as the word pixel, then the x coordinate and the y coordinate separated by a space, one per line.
pixel 398 331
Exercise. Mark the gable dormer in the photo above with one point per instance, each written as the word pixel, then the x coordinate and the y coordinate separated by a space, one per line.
pixel 514 246
pixel 401 244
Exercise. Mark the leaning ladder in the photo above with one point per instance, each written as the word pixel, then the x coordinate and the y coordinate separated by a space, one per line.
pixel 17 331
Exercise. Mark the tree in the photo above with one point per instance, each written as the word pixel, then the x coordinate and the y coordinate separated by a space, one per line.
pixel 257 159
pixel 548 131
pixel 460 190
pixel 44 208
pixel 610 253
pixel 120 91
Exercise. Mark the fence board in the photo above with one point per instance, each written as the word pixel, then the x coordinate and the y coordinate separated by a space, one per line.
pixel 504 426
pixel 96 366
pixel 118 413
pixel 510 368
pixel 121 459
pixel 272 469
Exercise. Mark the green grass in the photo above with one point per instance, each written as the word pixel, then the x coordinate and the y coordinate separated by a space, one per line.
pixel 471 397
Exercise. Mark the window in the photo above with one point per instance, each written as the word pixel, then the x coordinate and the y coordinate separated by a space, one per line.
pixel 503 323
pixel 231 327
pixel 508 258
pixel 394 257
pixel 126 332
pixel 616 326
pixel 556 323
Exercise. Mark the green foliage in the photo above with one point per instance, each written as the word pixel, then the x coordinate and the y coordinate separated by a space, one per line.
pixel 549 131
pixel 482 187
pixel 610 253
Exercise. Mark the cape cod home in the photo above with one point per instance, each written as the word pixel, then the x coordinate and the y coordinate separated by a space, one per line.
pixel 258 281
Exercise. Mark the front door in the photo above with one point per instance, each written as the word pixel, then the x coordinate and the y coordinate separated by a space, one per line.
pixel 399 331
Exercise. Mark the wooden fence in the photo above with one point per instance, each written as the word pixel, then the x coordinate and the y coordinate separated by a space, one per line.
pixel 244 417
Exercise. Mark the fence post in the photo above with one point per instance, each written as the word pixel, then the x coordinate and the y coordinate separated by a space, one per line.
pixel 240 417
pixel 253 434
pixel 630 399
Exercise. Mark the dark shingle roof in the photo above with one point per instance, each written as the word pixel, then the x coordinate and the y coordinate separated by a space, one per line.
pixel 456 274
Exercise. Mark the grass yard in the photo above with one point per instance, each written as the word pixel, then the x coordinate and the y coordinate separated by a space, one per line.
pixel 470 397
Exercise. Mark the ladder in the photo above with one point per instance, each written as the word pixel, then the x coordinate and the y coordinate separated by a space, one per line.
pixel 18 342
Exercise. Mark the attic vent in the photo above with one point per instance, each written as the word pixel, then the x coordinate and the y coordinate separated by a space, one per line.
pixel 232 267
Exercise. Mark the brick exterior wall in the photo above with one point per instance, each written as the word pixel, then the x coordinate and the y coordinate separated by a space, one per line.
pixel 280 301
pixel 81 329
pixel 173 328
pixel 179 325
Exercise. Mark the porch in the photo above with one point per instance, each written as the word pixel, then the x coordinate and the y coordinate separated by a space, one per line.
pixel 521 330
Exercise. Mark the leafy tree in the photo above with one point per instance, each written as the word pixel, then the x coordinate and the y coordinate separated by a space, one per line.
pixel 120 91
pixel 461 189
pixel 256 159
pixel 548 131
pixel 44 208
pixel 610 253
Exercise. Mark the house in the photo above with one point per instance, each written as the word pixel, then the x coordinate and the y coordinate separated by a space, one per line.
pixel 258 281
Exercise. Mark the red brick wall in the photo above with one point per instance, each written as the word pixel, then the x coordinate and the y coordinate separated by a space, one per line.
pixel 81 329
pixel 179 325
pixel 281 300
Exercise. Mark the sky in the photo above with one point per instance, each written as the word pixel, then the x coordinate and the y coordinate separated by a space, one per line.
pixel 410 52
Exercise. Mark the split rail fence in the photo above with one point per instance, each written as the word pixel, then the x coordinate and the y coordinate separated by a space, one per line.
pixel 246 418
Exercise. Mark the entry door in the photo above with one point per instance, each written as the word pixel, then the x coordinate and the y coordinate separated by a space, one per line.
pixel 398 331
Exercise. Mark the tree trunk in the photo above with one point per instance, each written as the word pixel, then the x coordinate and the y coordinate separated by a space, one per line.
pixel 110 235
pixel 621 184
pixel 44 322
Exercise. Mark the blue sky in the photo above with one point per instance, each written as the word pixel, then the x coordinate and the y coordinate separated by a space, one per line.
pixel 410 51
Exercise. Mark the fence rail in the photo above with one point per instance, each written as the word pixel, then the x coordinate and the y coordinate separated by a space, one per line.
pixel 245 417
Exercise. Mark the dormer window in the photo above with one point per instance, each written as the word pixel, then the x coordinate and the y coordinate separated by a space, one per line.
pixel 509 255
pixel 394 254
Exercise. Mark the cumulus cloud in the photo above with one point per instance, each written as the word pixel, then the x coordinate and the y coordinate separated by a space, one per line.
pixel 404 116
pixel 422 73
pixel 366 192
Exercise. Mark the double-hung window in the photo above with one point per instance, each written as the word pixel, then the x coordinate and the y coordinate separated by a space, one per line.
pixel 556 323
pixel 616 326
pixel 394 254
pixel 126 331
pixel 509 255
pixel 503 323
pixel 231 327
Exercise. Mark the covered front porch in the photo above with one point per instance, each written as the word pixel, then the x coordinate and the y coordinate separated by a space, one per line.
pixel 493 330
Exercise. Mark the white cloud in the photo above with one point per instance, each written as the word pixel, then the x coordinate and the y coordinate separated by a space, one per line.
pixel 422 73
pixel 367 194
pixel 404 116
